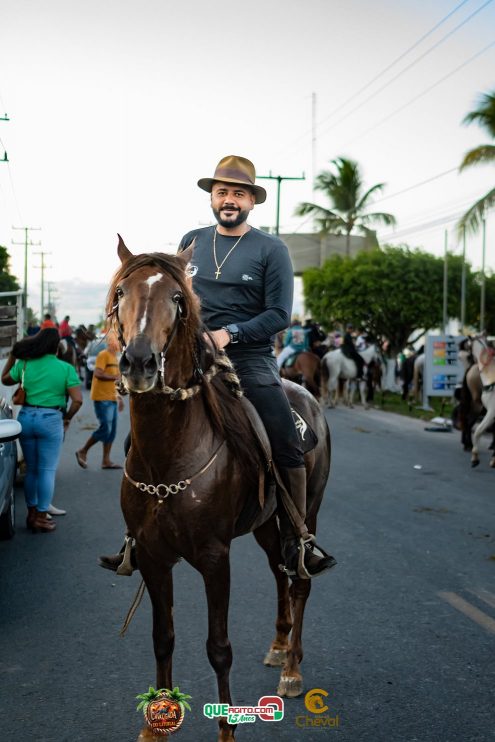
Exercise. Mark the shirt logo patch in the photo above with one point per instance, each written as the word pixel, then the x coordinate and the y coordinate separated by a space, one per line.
pixel 245 277
pixel 191 270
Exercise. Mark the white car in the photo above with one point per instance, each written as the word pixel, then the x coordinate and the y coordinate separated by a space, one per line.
pixel 10 431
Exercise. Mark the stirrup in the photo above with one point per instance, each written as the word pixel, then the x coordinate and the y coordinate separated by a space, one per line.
pixel 301 572
pixel 125 567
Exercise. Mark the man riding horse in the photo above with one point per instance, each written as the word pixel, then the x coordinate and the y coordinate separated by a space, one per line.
pixel 295 341
pixel 244 280
pixel 348 348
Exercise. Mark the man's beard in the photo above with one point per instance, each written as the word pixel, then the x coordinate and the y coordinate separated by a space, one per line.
pixel 231 223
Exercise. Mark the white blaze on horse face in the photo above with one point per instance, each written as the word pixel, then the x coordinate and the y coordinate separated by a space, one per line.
pixel 150 281
pixel 153 279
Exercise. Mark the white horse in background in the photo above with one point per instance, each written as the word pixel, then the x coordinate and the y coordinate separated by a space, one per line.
pixel 336 368
pixel 484 356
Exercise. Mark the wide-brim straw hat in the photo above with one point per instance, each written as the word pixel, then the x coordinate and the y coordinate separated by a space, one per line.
pixel 235 169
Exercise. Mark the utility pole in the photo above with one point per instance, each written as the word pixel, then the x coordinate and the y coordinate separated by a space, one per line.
pixel 445 283
pixel 279 179
pixel 26 243
pixel 483 277
pixel 313 142
pixel 42 267
pixel 463 281
pixel 52 295
pixel 5 158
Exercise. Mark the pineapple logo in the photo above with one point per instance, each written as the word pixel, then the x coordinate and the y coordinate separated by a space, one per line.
pixel 163 709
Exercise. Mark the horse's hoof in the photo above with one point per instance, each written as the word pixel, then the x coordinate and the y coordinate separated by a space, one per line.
pixel 275 658
pixel 474 462
pixel 290 687
pixel 147 735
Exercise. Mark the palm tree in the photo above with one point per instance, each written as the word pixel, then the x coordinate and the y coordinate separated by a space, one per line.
pixel 348 202
pixel 484 154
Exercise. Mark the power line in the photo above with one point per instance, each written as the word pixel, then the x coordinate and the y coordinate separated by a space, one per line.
pixel 398 59
pixel 420 95
pixel 409 66
pixel 380 74
pixel 417 185
pixel 397 193
pixel 422 227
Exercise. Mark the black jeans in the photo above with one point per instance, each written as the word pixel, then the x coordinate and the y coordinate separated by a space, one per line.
pixel 262 385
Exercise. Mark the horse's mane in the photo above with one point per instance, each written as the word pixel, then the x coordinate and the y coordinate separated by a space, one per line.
pixel 224 409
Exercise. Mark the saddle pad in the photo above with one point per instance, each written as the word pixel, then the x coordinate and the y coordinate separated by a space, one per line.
pixel 307 436
pixel 290 361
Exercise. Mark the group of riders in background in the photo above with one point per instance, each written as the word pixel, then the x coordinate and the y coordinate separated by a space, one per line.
pixel 304 354
pixel 339 362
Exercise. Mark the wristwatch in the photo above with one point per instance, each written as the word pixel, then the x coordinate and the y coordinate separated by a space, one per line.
pixel 233 332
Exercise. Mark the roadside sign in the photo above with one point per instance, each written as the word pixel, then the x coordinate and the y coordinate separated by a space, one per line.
pixel 442 370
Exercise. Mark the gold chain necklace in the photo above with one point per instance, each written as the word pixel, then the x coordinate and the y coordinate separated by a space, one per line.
pixel 218 270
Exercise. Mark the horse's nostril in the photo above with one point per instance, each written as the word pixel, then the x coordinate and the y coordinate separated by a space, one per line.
pixel 124 364
pixel 150 362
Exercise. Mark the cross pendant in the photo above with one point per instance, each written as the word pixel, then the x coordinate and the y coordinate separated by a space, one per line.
pixel 217 273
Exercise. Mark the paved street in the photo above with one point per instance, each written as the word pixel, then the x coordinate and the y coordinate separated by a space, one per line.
pixel 400 635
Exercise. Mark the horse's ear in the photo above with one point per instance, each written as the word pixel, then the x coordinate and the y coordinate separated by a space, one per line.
pixel 123 252
pixel 185 257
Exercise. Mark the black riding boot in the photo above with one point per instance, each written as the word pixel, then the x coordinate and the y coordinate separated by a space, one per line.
pixel 302 556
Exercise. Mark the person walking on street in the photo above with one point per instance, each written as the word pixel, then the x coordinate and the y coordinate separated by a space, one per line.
pixel 107 403
pixel 47 382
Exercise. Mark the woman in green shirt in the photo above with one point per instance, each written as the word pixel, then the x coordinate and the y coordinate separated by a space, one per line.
pixel 47 382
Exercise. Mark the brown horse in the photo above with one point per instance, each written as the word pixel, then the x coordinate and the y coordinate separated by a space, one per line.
pixel 194 471
pixel 306 371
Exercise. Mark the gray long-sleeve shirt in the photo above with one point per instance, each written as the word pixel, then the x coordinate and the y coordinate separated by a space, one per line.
pixel 253 291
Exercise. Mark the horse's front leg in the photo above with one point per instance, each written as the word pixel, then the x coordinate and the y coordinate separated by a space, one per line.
pixel 214 565
pixel 159 583
pixel 349 392
pixel 362 392
pixel 482 427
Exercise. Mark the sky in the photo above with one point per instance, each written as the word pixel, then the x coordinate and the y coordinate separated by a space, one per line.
pixel 117 107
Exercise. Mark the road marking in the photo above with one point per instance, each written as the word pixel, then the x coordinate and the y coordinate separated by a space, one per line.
pixel 485 596
pixel 469 610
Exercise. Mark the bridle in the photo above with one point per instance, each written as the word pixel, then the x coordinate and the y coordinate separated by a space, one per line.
pixel 220 364
pixel 113 314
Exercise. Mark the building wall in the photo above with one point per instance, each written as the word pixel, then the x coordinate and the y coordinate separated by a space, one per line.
pixel 312 250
